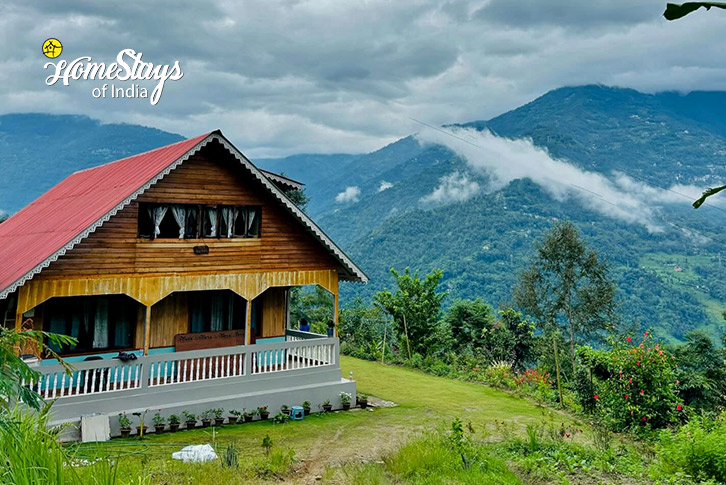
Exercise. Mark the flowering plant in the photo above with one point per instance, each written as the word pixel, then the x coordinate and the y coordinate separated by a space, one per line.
pixel 634 384
pixel 123 421
pixel 159 419
pixel 345 397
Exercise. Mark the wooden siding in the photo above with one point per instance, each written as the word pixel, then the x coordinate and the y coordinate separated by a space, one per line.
pixel 209 178
pixel 169 317
pixel 274 312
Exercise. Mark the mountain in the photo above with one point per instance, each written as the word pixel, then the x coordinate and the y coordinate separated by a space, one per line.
pixel 670 280
pixel 427 205
pixel 38 150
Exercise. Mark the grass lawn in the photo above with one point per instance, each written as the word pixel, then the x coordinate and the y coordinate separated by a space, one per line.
pixel 324 442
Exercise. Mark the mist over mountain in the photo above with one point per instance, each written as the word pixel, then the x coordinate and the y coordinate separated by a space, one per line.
pixel 472 198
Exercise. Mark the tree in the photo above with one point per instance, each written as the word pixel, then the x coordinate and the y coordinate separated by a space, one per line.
pixel 298 197
pixel 676 11
pixel 469 322
pixel 521 332
pixel 415 307
pixel 14 371
pixel 567 286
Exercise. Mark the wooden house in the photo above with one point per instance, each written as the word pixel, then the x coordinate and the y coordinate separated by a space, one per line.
pixel 173 269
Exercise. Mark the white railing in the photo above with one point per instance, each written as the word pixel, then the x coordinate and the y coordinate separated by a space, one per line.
pixel 88 378
pixel 198 365
pixel 112 375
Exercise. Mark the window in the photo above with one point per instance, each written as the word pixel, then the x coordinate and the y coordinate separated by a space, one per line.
pixel 97 322
pixel 215 311
pixel 179 221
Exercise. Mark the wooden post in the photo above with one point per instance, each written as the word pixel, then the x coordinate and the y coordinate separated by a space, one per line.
pixel 147 329
pixel 248 322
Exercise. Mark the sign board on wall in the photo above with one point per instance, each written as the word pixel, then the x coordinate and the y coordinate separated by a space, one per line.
pixel 208 340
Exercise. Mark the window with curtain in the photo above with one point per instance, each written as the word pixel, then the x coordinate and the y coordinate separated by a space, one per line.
pixel 188 221
pixel 215 311
pixel 98 323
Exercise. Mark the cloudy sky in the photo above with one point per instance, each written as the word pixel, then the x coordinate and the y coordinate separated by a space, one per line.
pixel 288 76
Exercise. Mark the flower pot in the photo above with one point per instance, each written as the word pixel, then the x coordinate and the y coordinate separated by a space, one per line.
pixel 138 429
pixel 327 407
pixel 306 411
pixel 346 406
pixel 232 419
pixel 159 428
pixel 363 403
pixel 264 415
pixel 125 432
pixel 191 424
pixel 206 423
pixel 218 422
pixel 249 418
pixel 173 427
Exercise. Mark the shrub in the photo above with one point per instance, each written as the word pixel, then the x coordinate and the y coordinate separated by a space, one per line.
pixel 698 449
pixel 635 385
pixel 499 374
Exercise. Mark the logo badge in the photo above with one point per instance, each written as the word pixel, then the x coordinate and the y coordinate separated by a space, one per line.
pixel 52 48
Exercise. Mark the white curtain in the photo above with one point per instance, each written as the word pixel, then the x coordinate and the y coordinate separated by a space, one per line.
pixel 212 211
pixel 180 218
pixel 217 323
pixel 157 215
pixel 251 215
pixel 230 214
pixel 100 331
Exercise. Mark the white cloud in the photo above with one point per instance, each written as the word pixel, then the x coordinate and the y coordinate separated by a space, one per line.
pixel 384 186
pixel 350 194
pixel 347 75
pixel 455 187
pixel 504 160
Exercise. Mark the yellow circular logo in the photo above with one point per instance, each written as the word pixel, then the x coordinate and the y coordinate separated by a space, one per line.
pixel 52 48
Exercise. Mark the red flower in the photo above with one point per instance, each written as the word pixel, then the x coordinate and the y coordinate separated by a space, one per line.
pixel 630 380
pixel 645 335
pixel 678 408
pixel 678 382
pixel 596 397
pixel 567 435
pixel 626 396
pixel 644 418
pixel 642 392
pixel 628 339
pixel 637 363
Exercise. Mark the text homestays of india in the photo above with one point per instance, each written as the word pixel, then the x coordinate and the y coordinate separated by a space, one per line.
pixel 128 67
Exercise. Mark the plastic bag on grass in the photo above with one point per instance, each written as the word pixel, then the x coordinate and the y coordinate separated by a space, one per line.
pixel 195 454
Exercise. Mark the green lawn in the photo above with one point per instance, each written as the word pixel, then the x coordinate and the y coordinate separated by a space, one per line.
pixel 324 442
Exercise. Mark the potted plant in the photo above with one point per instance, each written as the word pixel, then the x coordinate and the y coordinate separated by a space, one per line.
pixel 207 418
pixel 141 428
pixel 174 423
pixel 306 407
pixel 362 401
pixel 248 415
pixel 190 419
pixel 281 418
pixel 159 423
pixel 263 412
pixel 327 407
pixel 218 417
pixel 345 398
pixel 285 409
pixel 124 424
pixel 233 416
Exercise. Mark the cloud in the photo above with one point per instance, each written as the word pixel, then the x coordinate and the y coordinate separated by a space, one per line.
pixel 384 186
pixel 455 187
pixel 347 75
pixel 350 194
pixel 619 196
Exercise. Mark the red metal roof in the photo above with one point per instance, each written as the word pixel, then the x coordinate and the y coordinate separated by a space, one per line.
pixel 31 238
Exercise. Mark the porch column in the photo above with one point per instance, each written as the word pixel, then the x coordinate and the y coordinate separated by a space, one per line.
pixel 248 322
pixel 147 329
pixel 335 312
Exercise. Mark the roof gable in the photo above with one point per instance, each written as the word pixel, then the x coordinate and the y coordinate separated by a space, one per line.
pixel 65 215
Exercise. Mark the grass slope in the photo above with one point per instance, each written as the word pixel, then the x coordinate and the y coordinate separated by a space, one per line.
pixel 322 443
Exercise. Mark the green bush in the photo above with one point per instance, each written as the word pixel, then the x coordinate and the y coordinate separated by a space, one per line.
pixel 634 385
pixel 697 449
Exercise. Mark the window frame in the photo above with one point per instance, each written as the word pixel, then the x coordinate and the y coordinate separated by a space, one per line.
pixel 202 213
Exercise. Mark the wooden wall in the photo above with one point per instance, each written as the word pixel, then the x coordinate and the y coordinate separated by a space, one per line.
pixel 274 312
pixel 211 177
pixel 168 317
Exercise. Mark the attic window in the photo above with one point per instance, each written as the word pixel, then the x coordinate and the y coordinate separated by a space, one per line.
pixel 186 221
